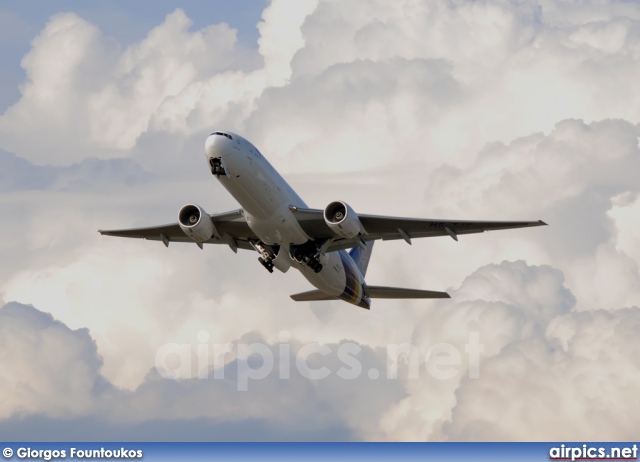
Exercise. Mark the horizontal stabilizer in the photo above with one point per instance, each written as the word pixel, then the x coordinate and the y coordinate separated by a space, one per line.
pixel 373 292
pixel 397 292
pixel 312 296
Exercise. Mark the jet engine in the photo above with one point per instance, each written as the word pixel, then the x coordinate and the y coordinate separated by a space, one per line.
pixel 195 223
pixel 342 220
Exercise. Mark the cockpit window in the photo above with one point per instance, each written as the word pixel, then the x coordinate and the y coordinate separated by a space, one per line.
pixel 223 134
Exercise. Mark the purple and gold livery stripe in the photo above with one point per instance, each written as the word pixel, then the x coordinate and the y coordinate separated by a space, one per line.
pixel 353 289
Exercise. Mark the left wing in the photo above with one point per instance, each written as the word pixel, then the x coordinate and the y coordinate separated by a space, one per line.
pixel 232 226
pixel 389 228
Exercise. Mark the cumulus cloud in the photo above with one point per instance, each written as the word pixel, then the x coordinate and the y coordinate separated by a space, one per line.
pixel 547 371
pixel 47 368
pixel 51 377
pixel 574 382
pixel 386 99
pixel 572 177
pixel 18 174
pixel 508 71
pixel 84 93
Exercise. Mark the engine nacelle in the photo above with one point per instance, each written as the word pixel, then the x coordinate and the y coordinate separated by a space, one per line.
pixel 195 223
pixel 342 220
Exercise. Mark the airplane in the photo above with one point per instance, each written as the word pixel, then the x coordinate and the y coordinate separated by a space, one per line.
pixel 275 222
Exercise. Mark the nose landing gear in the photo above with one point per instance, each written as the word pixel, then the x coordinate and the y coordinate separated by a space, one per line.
pixel 216 166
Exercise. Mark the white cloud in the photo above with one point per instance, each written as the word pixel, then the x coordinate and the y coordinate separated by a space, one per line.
pixel 281 37
pixel 53 372
pixel 387 100
pixel 571 178
pixel 509 71
pixel 46 367
pixel 83 93
pixel 626 214
pixel 547 372
pixel 563 13
pixel 539 390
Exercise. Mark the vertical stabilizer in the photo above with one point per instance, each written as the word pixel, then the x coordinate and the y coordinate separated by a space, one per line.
pixel 362 256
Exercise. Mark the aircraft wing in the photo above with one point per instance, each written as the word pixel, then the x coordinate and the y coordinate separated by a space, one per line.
pixel 389 228
pixel 232 226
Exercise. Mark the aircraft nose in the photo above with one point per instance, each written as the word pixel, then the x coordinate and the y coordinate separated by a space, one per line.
pixel 210 147
pixel 216 143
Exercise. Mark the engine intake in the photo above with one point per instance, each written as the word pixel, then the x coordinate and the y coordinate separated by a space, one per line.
pixel 196 223
pixel 342 220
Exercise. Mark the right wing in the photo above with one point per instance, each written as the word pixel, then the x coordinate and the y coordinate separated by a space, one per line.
pixel 388 228
pixel 232 226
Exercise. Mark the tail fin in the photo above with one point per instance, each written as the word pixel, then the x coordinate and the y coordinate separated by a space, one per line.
pixel 362 256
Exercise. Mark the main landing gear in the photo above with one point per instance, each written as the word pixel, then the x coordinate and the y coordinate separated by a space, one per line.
pixel 307 254
pixel 267 257
pixel 267 263
pixel 314 264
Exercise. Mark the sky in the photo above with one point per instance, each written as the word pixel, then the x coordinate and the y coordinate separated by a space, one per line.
pixel 460 109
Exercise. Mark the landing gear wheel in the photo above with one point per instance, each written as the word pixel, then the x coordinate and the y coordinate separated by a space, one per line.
pixel 315 265
pixel 308 254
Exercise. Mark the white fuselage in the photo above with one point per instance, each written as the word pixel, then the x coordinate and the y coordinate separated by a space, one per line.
pixel 266 199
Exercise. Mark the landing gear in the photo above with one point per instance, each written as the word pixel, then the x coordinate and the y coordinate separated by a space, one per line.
pixel 267 257
pixel 216 166
pixel 308 254
pixel 268 264
pixel 315 265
